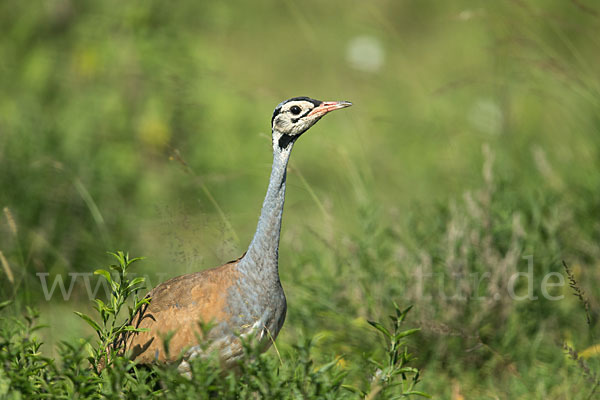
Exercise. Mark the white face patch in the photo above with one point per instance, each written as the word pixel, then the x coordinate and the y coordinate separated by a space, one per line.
pixel 295 116
pixel 293 119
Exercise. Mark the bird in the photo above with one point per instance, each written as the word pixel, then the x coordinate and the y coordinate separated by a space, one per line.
pixel 240 299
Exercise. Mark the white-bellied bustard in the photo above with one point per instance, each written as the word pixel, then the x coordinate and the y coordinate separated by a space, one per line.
pixel 243 297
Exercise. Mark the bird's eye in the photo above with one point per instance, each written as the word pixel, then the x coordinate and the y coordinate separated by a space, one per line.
pixel 295 110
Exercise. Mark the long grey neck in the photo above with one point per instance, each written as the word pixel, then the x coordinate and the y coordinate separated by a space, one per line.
pixel 263 251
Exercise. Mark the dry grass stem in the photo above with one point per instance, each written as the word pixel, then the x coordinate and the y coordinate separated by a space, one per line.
pixel 7 269
pixel 11 221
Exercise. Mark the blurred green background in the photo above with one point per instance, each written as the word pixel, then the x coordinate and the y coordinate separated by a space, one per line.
pixel 473 142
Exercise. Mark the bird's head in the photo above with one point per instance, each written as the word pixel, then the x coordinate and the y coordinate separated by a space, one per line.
pixel 293 117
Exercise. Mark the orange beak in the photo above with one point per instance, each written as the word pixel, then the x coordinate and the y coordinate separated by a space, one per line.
pixel 328 106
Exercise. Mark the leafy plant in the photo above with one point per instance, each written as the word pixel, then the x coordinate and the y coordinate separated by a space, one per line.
pixel 296 373
pixel 23 366
pixel 394 372
pixel 590 375
pixel 111 326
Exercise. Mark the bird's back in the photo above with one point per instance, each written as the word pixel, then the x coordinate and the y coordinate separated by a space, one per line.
pixel 220 295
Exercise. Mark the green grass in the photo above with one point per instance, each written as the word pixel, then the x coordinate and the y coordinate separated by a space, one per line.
pixel 473 146
pixel 107 372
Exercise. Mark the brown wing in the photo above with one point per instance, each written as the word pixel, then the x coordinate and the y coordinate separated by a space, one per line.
pixel 178 305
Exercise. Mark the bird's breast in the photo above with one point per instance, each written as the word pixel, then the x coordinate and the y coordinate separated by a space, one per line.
pixel 256 311
pixel 257 304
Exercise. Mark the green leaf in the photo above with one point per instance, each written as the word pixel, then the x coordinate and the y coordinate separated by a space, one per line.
pixel 104 273
pixel 36 327
pixel 397 308
pixel 5 303
pixel 100 305
pixel 405 333
pixel 90 321
pixel 329 365
pixel 380 328
pixel 134 260
pixel 339 378
pixel 117 268
pixel 145 300
pixel 376 363
pixel 136 281
pixel 129 328
pixel 406 370
pixel 355 390
pixel 403 313
pixel 119 255
pixel 418 393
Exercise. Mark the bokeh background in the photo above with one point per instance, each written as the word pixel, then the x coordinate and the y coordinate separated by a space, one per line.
pixel 472 144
